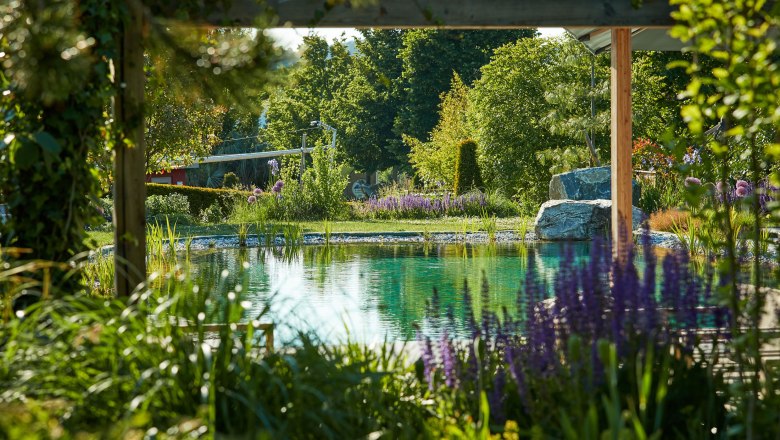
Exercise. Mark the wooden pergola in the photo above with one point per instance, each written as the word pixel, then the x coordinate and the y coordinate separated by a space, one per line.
pixel 619 19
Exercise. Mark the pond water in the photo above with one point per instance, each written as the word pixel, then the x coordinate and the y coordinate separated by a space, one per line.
pixel 378 292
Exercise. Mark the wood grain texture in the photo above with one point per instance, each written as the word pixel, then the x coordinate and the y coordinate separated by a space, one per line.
pixel 130 160
pixel 444 13
pixel 620 113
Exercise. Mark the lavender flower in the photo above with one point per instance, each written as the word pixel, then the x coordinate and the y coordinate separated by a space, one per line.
pixel 277 188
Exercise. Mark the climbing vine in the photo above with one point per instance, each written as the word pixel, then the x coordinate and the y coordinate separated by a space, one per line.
pixel 56 87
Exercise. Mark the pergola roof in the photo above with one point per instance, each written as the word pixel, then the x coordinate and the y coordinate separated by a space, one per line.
pixel 598 40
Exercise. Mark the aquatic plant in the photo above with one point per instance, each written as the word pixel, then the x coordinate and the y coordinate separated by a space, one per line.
pixel 243 234
pixel 489 225
pixel 328 230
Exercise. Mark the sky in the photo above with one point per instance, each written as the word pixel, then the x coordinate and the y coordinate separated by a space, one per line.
pixel 291 38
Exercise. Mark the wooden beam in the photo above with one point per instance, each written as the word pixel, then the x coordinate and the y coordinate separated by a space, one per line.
pixel 129 159
pixel 621 141
pixel 441 13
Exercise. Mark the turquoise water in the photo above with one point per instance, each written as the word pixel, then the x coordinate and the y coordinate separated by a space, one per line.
pixel 378 292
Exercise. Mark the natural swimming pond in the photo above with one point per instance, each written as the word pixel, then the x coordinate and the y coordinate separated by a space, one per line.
pixel 382 291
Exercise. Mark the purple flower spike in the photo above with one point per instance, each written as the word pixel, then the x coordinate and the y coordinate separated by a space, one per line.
pixel 274 164
pixel 427 358
pixel 692 181
pixel 449 361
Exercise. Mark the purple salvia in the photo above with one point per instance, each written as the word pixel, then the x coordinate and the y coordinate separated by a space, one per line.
pixel 428 359
pixel 449 361
pixel 468 307
pixel 647 301
pixel 496 397
pixel 618 304
pixel 514 362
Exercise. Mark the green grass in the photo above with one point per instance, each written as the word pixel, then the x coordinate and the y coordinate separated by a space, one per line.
pixel 445 224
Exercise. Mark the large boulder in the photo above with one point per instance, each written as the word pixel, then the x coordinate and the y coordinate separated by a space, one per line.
pixel 577 219
pixel 585 184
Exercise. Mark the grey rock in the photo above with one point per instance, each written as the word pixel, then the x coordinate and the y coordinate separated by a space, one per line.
pixel 577 219
pixel 586 184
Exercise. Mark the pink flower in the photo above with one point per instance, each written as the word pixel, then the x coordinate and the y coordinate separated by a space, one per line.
pixel 741 191
pixel 692 181
pixel 742 183
pixel 251 199
pixel 258 191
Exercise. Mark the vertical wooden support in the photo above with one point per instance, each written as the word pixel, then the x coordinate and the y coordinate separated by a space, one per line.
pixel 621 141
pixel 129 160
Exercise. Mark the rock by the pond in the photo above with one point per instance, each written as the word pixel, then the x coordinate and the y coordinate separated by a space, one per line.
pixel 577 219
pixel 585 184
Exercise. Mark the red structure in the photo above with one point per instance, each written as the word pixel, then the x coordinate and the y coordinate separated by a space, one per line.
pixel 173 177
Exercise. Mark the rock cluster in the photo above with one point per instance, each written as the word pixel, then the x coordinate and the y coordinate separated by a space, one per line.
pixel 580 206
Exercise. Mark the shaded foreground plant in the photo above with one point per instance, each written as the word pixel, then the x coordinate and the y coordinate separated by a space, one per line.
pixel 107 368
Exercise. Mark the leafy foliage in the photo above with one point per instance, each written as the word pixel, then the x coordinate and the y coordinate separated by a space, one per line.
pixel 430 57
pixel 434 161
pixel 55 74
pixel 741 94
pixel 179 126
pixel 364 111
pixel 199 198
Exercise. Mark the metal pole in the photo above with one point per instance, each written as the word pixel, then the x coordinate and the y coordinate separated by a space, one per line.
pixel 303 156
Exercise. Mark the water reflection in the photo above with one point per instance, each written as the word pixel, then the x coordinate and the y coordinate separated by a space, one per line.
pixel 380 291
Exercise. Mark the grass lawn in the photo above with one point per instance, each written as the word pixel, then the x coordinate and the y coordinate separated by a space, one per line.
pixel 445 224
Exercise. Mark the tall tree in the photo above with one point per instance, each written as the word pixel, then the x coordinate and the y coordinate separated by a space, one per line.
pixel 179 127
pixel 434 161
pixel 307 94
pixel 364 111
pixel 429 57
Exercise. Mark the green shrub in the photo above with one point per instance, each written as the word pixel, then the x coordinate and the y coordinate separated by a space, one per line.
pixel 212 214
pixel 467 174
pixel 200 198
pixel 230 180
pixel 167 205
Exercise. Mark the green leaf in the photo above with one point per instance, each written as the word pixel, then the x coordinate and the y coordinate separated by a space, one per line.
pixel 47 142
pixel 25 155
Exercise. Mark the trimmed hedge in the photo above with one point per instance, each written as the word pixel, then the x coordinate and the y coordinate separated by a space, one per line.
pixel 467 174
pixel 200 198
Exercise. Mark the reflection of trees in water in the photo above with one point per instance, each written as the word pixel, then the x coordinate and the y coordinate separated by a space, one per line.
pixel 397 280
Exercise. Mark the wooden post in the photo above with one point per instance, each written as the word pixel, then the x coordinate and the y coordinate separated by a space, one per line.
pixel 129 160
pixel 621 141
